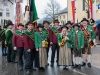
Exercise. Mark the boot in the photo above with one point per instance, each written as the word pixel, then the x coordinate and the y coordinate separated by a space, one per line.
pixel 79 66
pixel 28 72
pixel 52 64
pixel 75 66
pixel 83 64
pixel 89 64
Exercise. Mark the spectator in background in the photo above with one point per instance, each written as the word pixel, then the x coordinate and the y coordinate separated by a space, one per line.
pixel 92 22
pixel 3 37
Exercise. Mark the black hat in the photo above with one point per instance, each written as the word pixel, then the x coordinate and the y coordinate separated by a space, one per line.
pixel 68 22
pixel 84 19
pixel 45 22
pixel 64 26
pixel 40 26
pixel 76 25
pixel 29 22
pixel 9 23
pixel 20 24
pixel 56 21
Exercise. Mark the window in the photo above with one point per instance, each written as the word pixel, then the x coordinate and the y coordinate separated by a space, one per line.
pixel 83 7
pixel 0 14
pixel 60 17
pixel 64 16
pixel 7 14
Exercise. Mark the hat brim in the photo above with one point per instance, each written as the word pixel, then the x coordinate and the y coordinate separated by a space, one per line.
pixel 84 20
pixel 9 25
pixel 68 23
pixel 56 22
pixel 45 22
pixel 21 25
pixel 40 26
pixel 76 26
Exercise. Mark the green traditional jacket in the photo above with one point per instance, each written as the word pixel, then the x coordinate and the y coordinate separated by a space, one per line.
pixel 31 35
pixel 9 35
pixel 47 32
pixel 39 39
pixel 18 32
pixel 70 31
pixel 80 38
pixel 68 42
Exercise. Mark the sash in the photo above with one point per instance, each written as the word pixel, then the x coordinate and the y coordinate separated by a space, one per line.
pixel 55 31
pixel 47 32
pixel 8 30
pixel 2 32
pixel 30 35
pixel 19 33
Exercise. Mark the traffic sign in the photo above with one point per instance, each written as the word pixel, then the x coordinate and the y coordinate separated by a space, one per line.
pixel 98 6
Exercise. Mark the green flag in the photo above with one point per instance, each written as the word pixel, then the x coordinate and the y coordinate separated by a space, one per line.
pixel 33 11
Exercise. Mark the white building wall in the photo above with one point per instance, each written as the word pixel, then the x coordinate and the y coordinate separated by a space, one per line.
pixel 4 9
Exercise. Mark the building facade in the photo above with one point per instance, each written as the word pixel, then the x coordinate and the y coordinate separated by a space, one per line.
pixel 81 10
pixel 6 11
pixel 62 16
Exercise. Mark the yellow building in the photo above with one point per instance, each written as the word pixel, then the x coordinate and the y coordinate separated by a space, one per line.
pixel 81 10
pixel 62 16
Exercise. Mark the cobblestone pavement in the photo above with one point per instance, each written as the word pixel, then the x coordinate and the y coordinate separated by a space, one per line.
pixel 12 69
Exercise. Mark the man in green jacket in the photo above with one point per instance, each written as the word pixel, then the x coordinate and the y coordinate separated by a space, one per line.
pixel 78 44
pixel 89 36
pixel 9 34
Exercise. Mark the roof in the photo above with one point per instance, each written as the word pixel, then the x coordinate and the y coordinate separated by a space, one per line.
pixel 62 11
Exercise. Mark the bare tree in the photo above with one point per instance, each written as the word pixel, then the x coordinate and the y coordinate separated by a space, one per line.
pixel 87 4
pixel 52 8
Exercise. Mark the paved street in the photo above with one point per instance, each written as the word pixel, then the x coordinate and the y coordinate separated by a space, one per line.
pixel 12 69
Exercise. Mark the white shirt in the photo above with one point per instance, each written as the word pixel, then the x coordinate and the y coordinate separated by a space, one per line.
pixel 76 31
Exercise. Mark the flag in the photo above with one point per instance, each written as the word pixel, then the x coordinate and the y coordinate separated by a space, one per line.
pixel 33 11
pixel 94 9
pixel 91 9
pixel 73 10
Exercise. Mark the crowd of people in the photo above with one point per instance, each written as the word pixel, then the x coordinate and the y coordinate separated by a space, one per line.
pixel 73 43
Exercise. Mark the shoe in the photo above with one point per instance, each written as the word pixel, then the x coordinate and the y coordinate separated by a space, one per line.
pixel 75 66
pixel 48 64
pixel 9 61
pixel 43 69
pixel 21 68
pixel 34 69
pixel 79 66
pixel 83 64
pixel 40 69
pixel 52 65
pixel 28 72
pixel 3 55
pixel 89 64
pixel 14 61
pixel 65 68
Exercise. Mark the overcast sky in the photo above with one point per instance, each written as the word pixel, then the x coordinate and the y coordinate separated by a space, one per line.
pixel 41 4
